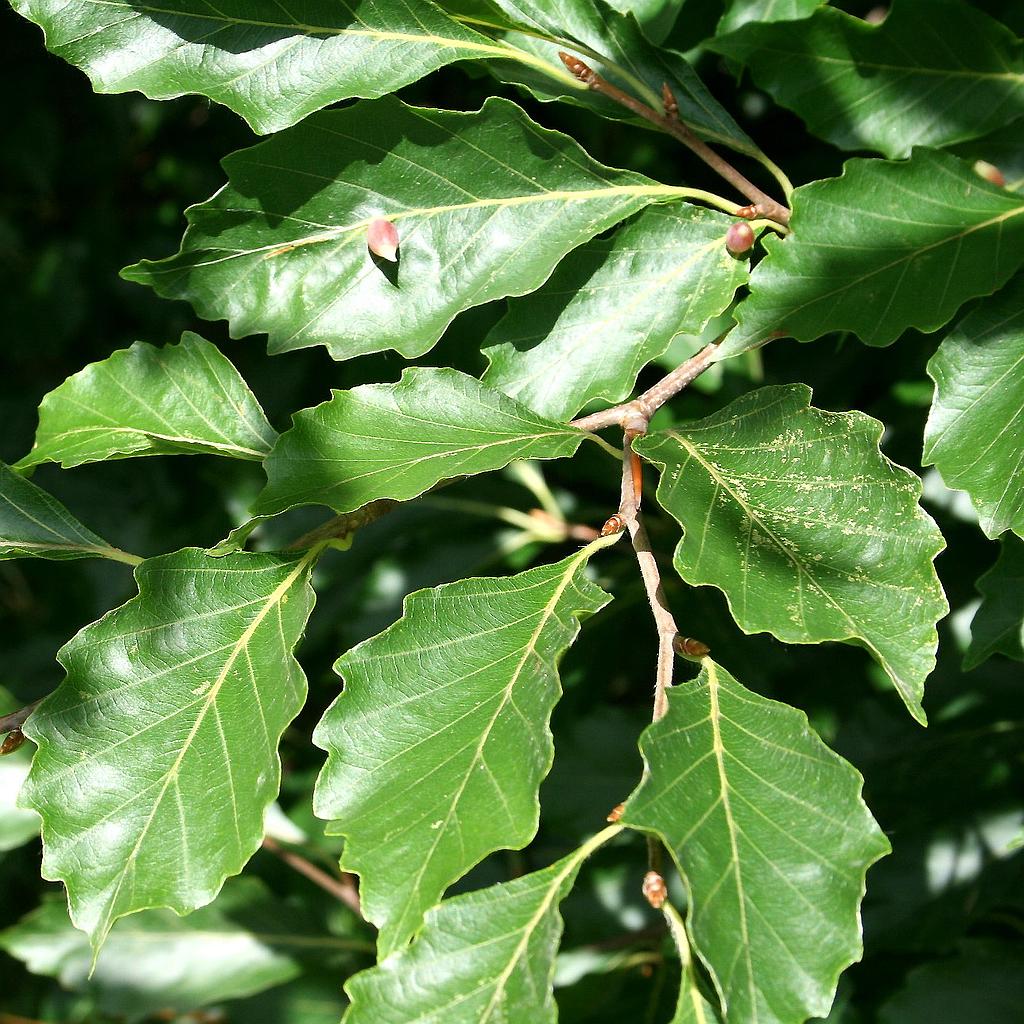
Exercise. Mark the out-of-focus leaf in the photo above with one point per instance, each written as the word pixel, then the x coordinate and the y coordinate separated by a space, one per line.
pixel 811 532
pixel 887 246
pixel 487 956
pixel 34 524
pixel 17 825
pixel 611 307
pixel 485 204
pixel 773 839
pixel 998 624
pixel 398 440
pixel 934 72
pixel 440 740
pixel 975 430
pixel 183 399
pixel 158 753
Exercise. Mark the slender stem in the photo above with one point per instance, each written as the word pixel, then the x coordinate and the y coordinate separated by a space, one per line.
pixel 16 719
pixel 343 889
pixel 117 555
pixel 343 525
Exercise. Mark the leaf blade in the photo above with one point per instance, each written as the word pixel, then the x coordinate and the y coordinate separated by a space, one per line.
pixel 998 624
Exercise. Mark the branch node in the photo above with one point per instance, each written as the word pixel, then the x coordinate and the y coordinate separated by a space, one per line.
pixel 669 102
pixel 655 890
pixel 616 812
pixel 584 72
pixel 687 647
pixel 614 524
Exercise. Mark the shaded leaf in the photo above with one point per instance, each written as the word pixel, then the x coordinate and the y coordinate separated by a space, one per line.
pixel 398 440
pixel 975 430
pixel 484 957
pixel 158 753
pixel 773 840
pixel 611 307
pixel 885 247
pixel 739 12
pixel 485 204
pixel 998 624
pixel 811 532
pixel 34 524
pixel 440 740
pixel 17 825
pixel 692 1006
pixel 892 86
pixel 183 399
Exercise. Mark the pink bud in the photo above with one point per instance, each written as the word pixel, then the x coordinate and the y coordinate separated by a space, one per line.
pixel 739 238
pixel 382 239
pixel 990 172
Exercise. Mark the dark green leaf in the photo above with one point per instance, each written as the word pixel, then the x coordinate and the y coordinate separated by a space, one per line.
pixel 998 625
pixel 440 740
pixel 692 1006
pixel 739 12
pixel 773 839
pixel 811 532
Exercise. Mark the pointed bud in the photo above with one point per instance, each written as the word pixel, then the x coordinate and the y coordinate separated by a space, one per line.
pixel 990 173
pixel 655 890
pixel 739 238
pixel 382 239
pixel 616 812
pixel 12 741
pixel 690 648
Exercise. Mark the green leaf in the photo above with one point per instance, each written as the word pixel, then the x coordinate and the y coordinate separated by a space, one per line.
pixel 484 957
pixel 692 1006
pixel 773 840
pixel 892 86
pixel 184 399
pixel 611 307
pixel 17 825
pixel 740 12
pixel 244 943
pixel 33 524
pixel 440 740
pixel 811 532
pixel 998 624
pixel 485 204
pixel 271 62
pixel 398 440
pixel 158 753
pixel 975 430
pixel 885 247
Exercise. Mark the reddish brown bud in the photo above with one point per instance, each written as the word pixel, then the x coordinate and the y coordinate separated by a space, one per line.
pixel 616 812
pixel 690 648
pixel 12 741
pixel 739 238
pixel 990 172
pixel 655 890
pixel 584 72
pixel 668 101
pixel 747 212
pixel 614 524
pixel 382 239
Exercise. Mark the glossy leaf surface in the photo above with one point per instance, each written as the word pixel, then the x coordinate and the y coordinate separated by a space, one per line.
pixel 811 533
pixel 485 204
pixel 158 753
pixel 398 440
pixel 611 307
pixel 885 247
pixel 440 740
pixel 183 399
pixel 739 12
pixel 975 431
pixel 773 839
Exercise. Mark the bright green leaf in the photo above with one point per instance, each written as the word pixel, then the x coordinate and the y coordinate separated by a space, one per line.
pixel 811 532
pixel 975 430
pixel 17 825
pixel 611 307
pixel 158 753
pixel 998 624
pixel 885 247
pixel 33 524
pixel 739 12
pixel 398 440
pixel 892 86
pixel 440 739
pixel 485 204
pixel 483 958
pixel 773 840
pixel 179 400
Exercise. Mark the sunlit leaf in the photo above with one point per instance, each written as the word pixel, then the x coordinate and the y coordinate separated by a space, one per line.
pixel 158 753
pixel 440 739
pixel 739 12
pixel 773 840
pixel 998 624
pixel 811 533
pixel 179 400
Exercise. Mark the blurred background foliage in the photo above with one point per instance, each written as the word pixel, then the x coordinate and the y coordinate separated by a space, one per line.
pixel 93 183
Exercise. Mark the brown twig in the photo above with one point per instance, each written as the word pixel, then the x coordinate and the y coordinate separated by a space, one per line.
pixel 669 122
pixel 343 889
pixel 343 525
pixel 16 719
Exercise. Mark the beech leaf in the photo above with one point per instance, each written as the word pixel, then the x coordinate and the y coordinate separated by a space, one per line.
pixel 739 12
pixel 158 753
pixel 611 307
pixel 183 399
pixel 34 524
pixel 998 624
pixel 440 740
pixel 483 958
pixel 892 86
pixel 484 203
pixel 975 430
pixel 773 840
pixel 398 440
pixel 811 532
pixel 17 825
pixel 692 1006
pixel 887 246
